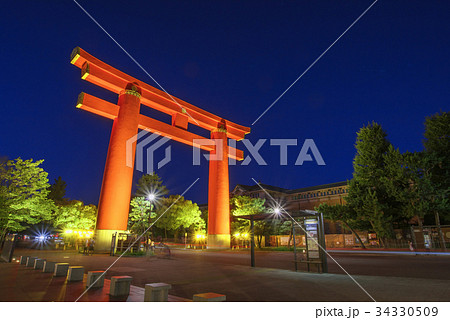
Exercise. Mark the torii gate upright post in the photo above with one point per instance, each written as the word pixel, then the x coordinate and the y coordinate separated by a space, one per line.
pixel 219 193
pixel 117 179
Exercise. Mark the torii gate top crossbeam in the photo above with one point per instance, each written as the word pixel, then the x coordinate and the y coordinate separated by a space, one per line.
pixel 109 110
pixel 104 75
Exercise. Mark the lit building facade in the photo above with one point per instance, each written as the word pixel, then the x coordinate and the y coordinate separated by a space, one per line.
pixel 300 199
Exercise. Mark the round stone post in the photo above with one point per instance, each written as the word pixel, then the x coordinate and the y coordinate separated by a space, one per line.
pixel 218 193
pixel 115 194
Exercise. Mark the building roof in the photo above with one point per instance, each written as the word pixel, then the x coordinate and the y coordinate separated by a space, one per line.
pixel 257 187
pixel 322 186
pixel 271 216
pixel 290 191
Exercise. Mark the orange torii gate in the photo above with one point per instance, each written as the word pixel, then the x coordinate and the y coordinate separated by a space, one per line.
pixel 117 178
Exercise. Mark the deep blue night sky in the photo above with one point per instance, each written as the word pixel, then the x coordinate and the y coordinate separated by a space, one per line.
pixel 232 58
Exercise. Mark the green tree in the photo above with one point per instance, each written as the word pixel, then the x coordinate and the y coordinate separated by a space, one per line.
pixel 141 215
pixel 151 184
pixel 57 190
pixel 434 184
pixel 23 195
pixel 369 197
pixel 436 164
pixel 177 213
pixel 243 206
pixel 75 215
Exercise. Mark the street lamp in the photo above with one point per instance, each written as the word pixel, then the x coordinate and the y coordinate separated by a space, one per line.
pixel 277 211
pixel 151 197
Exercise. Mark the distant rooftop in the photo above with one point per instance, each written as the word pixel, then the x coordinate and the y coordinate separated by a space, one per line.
pixel 290 191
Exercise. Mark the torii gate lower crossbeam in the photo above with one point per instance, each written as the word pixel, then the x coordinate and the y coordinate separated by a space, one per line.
pixel 117 179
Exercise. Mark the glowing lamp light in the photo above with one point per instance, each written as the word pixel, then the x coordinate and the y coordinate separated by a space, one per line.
pixel 237 235
pixel 198 236
pixel 277 211
pixel 68 231
pixel 151 197
pixel 245 235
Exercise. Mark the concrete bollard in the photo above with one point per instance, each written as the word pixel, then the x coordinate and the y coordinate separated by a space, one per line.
pixel 92 281
pixel 157 292
pixel 61 269
pixel 24 259
pixel 76 273
pixel 120 286
pixel 30 261
pixel 39 264
pixel 49 266
pixel 209 297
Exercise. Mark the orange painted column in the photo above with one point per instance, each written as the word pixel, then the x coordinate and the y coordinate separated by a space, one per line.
pixel 115 195
pixel 218 193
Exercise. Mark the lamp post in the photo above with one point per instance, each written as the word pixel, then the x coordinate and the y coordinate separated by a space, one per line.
pixel 151 197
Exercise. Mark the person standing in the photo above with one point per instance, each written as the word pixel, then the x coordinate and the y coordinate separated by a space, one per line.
pixel 91 246
pixel 86 246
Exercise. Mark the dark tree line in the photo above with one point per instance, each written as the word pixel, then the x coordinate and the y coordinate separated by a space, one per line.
pixel 390 188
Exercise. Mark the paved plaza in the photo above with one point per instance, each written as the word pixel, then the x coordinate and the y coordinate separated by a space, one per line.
pixel 192 272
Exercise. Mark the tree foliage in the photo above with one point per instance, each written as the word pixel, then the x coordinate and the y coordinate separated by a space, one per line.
pixel 245 205
pixel 23 195
pixel 377 176
pixel 151 184
pixel 176 212
pixel 57 190
pixel 141 215
pixel 75 215
pixel 389 187
pixel 435 164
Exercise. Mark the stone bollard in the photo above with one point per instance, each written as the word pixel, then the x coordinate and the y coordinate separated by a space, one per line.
pixel 76 273
pixel 24 259
pixel 120 286
pixel 209 297
pixel 39 264
pixel 61 269
pixel 30 261
pixel 157 292
pixel 92 281
pixel 49 266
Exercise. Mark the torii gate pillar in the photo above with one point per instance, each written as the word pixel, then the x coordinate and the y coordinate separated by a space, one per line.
pixel 118 177
pixel 219 193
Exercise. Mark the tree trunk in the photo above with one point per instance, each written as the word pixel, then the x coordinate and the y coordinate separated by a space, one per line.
pixel 379 238
pixel 259 239
pixel 3 236
pixel 419 220
pixel 441 235
pixel 356 235
pixel 382 242
pixel 290 236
